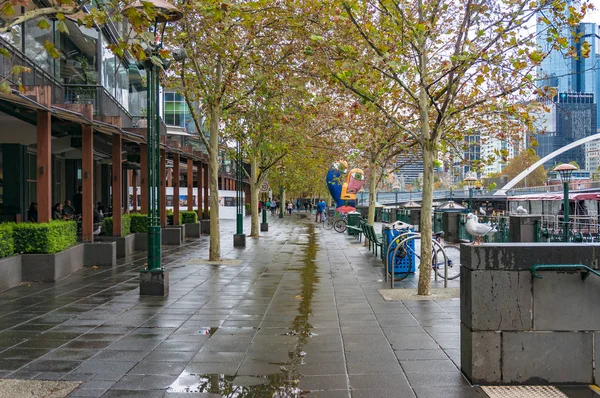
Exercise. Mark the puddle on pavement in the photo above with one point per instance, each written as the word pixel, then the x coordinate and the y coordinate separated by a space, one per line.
pixel 237 386
pixel 208 331
pixel 283 384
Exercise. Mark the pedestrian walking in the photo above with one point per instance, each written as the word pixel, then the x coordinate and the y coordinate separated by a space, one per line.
pixel 273 207
pixel 320 210
pixel 298 205
pixel 268 205
pixel 290 208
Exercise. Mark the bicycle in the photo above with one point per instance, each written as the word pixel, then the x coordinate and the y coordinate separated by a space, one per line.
pixel 336 220
pixel 445 260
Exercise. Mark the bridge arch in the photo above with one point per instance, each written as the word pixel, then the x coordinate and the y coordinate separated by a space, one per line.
pixel 543 160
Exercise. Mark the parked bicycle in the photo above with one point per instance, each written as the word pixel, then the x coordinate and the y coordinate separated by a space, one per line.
pixel 336 220
pixel 445 260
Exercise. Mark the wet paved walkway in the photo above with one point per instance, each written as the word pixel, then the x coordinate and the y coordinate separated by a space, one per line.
pixel 296 313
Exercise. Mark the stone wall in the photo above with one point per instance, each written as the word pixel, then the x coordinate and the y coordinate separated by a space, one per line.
pixel 516 329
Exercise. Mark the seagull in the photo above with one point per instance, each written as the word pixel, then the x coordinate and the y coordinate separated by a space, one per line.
pixel 482 211
pixel 478 230
pixel 522 210
pixel 399 225
pixel 98 231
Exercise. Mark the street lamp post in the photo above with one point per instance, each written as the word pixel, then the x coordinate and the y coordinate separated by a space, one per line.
pixel 470 183
pixel 565 170
pixel 281 204
pixel 239 239
pixel 154 279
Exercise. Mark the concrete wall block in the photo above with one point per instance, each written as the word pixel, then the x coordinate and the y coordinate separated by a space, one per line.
pixel 499 300
pixel 10 272
pixel 466 297
pixel 547 357
pixel 100 253
pixel 521 256
pixel 480 356
pixel 522 228
pixel 205 227
pixel 562 301
pixel 141 241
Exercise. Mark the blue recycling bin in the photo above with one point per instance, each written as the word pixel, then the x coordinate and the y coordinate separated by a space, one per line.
pixel 402 263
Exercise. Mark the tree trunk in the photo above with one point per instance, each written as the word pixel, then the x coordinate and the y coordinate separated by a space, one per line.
pixel 213 166
pixel 429 155
pixel 372 193
pixel 254 191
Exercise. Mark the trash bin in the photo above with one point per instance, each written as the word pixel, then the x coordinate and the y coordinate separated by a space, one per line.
pixel 353 220
pixel 402 263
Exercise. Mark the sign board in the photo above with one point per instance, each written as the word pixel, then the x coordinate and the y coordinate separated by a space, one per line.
pixel 264 187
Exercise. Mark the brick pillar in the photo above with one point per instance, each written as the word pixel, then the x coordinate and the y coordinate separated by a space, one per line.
pixel 163 188
pixel 190 185
pixel 176 176
pixel 144 178
pixel 205 194
pixel 117 187
pixel 87 175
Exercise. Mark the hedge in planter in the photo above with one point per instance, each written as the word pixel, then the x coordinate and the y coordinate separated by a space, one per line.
pixel 189 217
pixel 125 225
pixel 170 218
pixel 139 222
pixel 7 243
pixel 44 238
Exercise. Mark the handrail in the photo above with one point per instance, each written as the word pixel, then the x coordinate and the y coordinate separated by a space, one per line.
pixel 104 91
pixel 23 58
pixel 585 270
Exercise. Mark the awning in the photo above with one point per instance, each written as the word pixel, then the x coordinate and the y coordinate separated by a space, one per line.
pixel 17 98
pixel 71 116
pixel 176 130
pixel 556 196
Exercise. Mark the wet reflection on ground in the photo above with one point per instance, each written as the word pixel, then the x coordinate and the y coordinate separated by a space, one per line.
pixel 285 382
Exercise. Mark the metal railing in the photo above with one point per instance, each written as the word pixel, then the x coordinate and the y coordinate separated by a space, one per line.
pixel 36 75
pixel 104 103
pixel 581 229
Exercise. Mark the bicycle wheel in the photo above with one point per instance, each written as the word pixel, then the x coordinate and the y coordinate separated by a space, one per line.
pixel 328 223
pixel 340 226
pixel 401 261
pixel 451 261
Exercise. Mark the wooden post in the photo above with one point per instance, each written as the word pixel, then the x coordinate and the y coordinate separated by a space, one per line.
pixel 117 194
pixel 170 177
pixel 176 175
pixel 199 185
pixel 87 176
pixel 134 178
pixel 163 188
pixel 190 185
pixel 44 166
pixel 144 177
pixel 205 194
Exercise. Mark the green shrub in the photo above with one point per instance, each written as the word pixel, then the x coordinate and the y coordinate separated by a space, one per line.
pixel 125 225
pixel 189 217
pixel 247 206
pixel 139 222
pixel 7 243
pixel 51 237
pixel 170 218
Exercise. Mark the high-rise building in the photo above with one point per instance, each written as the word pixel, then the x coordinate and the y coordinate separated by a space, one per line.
pixel 574 112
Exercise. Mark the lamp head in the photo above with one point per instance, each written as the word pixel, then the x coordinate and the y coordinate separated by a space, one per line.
pixel 565 170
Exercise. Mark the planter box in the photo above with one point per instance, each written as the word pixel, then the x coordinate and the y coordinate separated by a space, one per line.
pixel 100 253
pixel 10 272
pixel 125 244
pixel 52 267
pixel 173 235
pixel 192 230
pixel 141 241
pixel 205 227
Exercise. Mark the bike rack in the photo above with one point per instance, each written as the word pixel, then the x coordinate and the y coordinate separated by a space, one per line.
pixel 584 269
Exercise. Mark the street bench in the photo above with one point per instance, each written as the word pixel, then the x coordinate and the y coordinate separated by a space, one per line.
pixel 356 230
pixel 373 237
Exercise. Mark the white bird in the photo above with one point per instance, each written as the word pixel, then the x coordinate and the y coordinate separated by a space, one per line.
pixel 98 231
pixel 398 225
pixel 482 211
pixel 478 230
pixel 521 210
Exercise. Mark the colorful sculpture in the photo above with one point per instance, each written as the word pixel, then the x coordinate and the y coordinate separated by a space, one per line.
pixel 344 186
